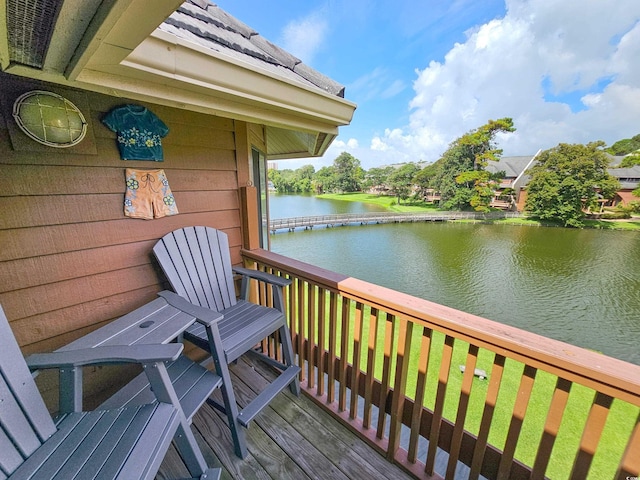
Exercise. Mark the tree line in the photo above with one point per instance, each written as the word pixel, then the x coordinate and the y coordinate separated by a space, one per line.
pixel 566 180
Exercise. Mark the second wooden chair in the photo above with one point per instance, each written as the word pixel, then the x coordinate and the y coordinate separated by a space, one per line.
pixel 197 263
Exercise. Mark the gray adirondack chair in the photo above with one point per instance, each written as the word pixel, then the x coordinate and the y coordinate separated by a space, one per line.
pixel 197 263
pixel 123 443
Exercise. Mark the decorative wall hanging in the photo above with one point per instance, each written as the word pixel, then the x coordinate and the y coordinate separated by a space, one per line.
pixel 148 195
pixel 139 132
pixel 50 119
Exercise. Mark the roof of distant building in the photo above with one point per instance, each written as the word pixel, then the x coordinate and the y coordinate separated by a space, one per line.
pixel 204 23
pixel 512 166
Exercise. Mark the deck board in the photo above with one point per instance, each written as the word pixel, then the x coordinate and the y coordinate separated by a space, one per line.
pixel 290 439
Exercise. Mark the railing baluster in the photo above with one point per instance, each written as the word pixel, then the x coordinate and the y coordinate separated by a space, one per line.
pixel 463 404
pixel 272 342
pixel 371 366
pixel 519 411
pixel 357 353
pixel 293 313
pixel 487 416
pixel 591 435
pixel 443 378
pixel 344 354
pixel 333 335
pixel 418 406
pixel 322 327
pixel 630 462
pixel 551 428
pixel 403 352
pixel 301 328
pixel 311 336
pixel 386 374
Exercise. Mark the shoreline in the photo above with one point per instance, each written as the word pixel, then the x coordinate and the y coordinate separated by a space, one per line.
pixel 389 204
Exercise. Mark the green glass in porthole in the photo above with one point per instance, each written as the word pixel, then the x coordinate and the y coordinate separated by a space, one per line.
pixel 49 119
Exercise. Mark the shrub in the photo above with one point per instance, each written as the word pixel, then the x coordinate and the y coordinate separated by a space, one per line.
pixel 617 215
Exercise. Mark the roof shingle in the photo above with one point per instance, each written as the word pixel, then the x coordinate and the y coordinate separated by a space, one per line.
pixel 208 25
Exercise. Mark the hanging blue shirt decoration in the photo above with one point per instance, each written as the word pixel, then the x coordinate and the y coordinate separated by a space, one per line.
pixel 139 132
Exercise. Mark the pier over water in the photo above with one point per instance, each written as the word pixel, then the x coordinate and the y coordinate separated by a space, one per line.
pixel 369 218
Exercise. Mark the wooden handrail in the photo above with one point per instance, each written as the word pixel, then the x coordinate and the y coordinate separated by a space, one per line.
pixel 375 367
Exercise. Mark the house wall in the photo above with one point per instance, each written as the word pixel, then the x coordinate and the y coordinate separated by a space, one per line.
pixel 70 260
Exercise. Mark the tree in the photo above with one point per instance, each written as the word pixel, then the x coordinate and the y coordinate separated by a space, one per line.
pixel 425 178
pixel 401 180
pixel 349 174
pixel 568 180
pixel 377 176
pixel 292 181
pixel 625 146
pixel 630 161
pixel 325 180
pixel 462 179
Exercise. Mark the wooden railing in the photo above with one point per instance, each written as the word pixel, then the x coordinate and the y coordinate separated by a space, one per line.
pixel 389 366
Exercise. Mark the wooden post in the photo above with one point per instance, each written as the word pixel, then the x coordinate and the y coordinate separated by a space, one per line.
pixel 250 217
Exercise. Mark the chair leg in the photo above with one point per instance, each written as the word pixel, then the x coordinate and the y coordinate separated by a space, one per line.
pixel 184 439
pixel 287 350
pixel 231 408
pixel 230 405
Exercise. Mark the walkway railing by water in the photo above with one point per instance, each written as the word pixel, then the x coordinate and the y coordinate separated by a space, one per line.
pixel 368 218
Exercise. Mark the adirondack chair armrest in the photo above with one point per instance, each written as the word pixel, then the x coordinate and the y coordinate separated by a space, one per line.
pixel 262 276
pixel 205 316
pixel 105 355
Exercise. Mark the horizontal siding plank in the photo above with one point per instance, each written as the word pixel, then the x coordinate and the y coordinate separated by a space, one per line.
pixel 36 211
pixel 183 156
pixel 31 242
pixel 54 296
pixel 31 272
pixel 60 180
pixel 101 104
pixel 181 132
pixel 209 137
pixel 61 322
pixel 45 269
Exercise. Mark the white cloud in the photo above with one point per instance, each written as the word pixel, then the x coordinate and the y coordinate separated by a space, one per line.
pixel 501 71
pixel 304 37
pixel 375 85
pixel 352 143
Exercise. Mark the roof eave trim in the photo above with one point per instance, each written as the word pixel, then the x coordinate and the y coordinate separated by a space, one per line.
pixel 169 56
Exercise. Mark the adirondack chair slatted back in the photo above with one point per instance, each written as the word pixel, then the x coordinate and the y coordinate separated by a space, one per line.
pixel 25 422
pixel 197 263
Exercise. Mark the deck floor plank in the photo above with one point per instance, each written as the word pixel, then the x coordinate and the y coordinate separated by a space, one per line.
pixel 351 455
pixel 292 438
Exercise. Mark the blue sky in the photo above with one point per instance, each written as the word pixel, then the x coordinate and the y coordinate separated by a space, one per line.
pixel 425 72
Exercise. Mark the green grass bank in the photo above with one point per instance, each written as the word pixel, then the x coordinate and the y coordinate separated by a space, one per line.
pixel 391 204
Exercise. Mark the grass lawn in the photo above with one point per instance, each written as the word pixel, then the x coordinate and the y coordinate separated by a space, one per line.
pixel 390 203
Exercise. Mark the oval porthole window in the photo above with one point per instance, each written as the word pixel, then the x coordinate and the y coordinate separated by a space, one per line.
pixel 49 119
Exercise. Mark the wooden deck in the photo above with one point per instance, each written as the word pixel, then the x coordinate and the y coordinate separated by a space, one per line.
pixel 293 439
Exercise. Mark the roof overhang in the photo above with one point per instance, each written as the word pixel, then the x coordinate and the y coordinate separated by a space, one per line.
pixel 118 50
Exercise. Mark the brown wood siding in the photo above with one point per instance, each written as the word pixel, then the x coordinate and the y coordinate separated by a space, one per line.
pixel 70 260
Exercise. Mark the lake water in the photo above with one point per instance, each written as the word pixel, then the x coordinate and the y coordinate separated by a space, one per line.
pixel 578 286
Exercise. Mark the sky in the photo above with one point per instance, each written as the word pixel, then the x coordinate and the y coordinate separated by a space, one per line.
pixel 423 73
